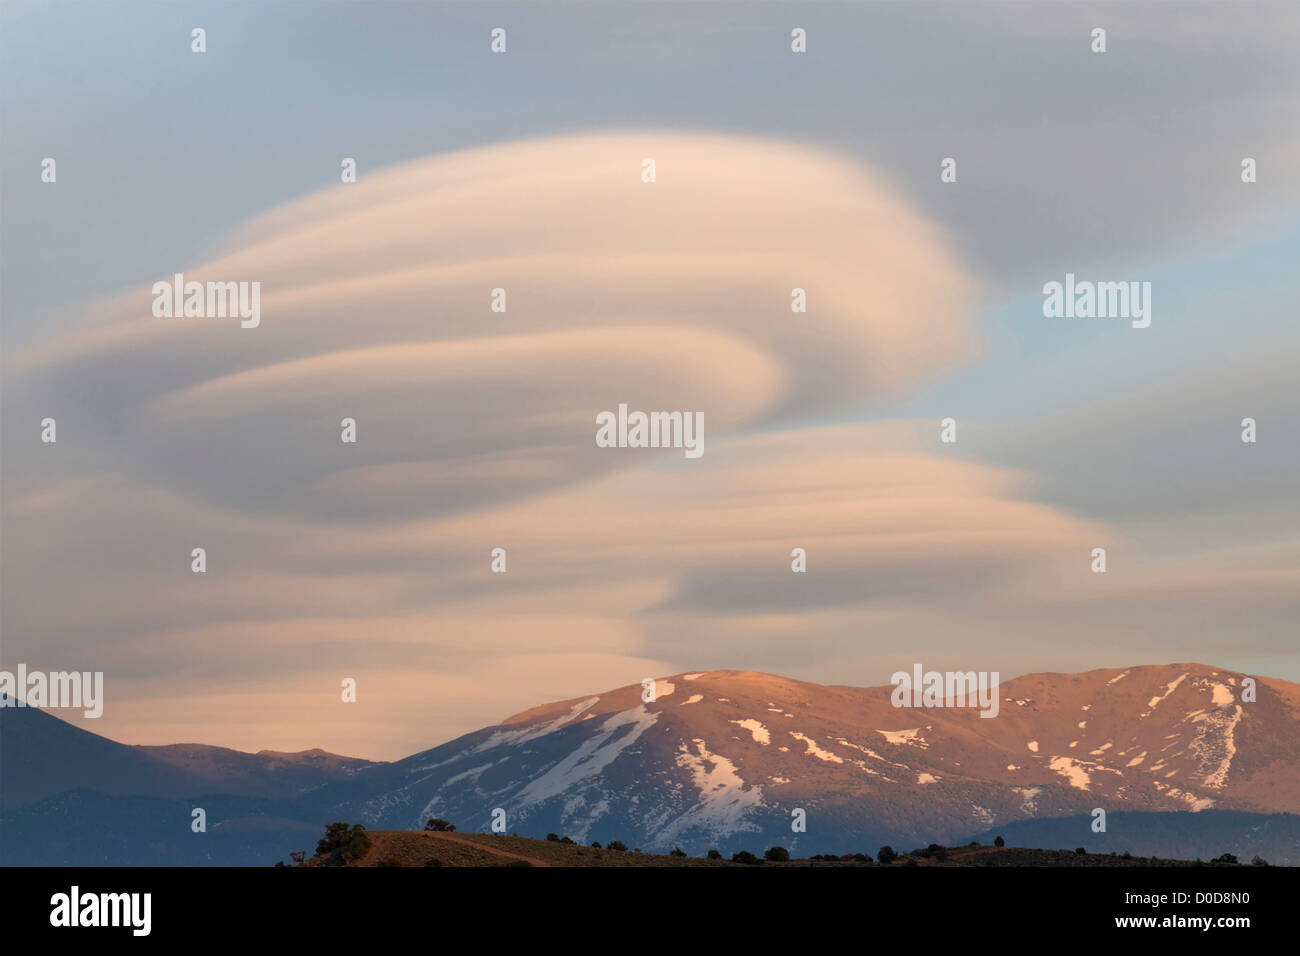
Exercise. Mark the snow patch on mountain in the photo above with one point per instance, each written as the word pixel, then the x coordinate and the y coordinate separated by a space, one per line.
pixel 1029 797
pixel 1194 801
pixel 523 735
pixel 814 750
pixel 1071 770
pixel 1172 686
pixel 759 732
pixel 1221 695
pixel 1214 744
pixel 724 798
pixel 616 734
pixel 903 737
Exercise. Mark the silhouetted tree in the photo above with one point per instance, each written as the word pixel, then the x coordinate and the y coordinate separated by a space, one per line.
pixel 342 845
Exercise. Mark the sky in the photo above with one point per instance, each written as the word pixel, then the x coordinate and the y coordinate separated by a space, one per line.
pixel 475 429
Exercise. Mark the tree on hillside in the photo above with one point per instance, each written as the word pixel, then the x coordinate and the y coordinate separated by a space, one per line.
pixel 439 825
pixel 342 844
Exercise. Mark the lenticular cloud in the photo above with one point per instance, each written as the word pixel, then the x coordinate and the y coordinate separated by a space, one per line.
pixel 376 306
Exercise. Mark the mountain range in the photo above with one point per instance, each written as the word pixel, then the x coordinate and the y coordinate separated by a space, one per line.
pixel 1180 759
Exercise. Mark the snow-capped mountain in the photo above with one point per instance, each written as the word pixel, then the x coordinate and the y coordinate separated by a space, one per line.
pixel 728 758
pixel 721 759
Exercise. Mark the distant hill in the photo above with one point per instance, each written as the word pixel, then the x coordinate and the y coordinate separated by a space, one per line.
pixel 41 756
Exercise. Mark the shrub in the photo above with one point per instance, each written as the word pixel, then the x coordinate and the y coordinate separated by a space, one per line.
pixel 616 845
pixel 1081 851
pixel 433 861
pixel 998 841
pixel 886 854
pixel 744 856
pixel 777 854
pixel 933 851
pixel 552 838
pixel 439 825
pixel 565 840
pixel 342 845
pixel 1225 858
pixel 1259 861
pixel 714 855
pixel 677 851
pixel 861 858
pixel 595 844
